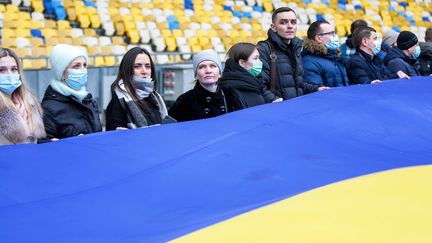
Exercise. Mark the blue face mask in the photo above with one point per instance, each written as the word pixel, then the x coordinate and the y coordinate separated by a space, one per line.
pixel 9 83
pixel 77 78
pixel 377 47
pixel 333 44
pixel 417 52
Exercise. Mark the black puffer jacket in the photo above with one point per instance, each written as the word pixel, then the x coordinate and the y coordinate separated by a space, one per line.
pixel 198 103
pixel 425 59
pixel 65 116
pixel 242 90
pixel 396 60
pixel 289 69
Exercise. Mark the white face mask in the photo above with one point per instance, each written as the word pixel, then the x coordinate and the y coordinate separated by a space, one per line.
pixel 377 47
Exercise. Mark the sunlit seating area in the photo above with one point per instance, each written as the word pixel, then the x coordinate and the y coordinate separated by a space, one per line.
pixel 107 29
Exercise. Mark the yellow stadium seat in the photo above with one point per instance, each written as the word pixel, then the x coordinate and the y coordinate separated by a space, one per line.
pixel 95 21
pixel 64 32
pixel 51 41
pixel 36 24
pixel 171 43
pixel 117 40
pixel 39 63
pixel 80 11
pixel 12 8
pixel 63 24
pixel 91 11
pixel 24 52
pixel 12 16
pixel 83 20
pixel 22 33
pixel 78 41
pixel 120 29
pixel 196 48
pixel 203 41
pixel 8 33
pixel 133 36
pixel 38 6
pixel 113 11
pixel 90 32
pixel 50 24
pixel 2 8
pixel 79 4
pixel 48 32
pixel 109 60
pixel 71 14
pixel 193 41
pixel 95 61
pixel 10 24
pixel 129 25
pixel 66 40
pixel 24 16
pixel 68 3
pixel 8 42
pixel 166 33
pixel 36 42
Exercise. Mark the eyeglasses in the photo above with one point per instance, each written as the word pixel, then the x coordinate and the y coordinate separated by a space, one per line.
pixel 331 33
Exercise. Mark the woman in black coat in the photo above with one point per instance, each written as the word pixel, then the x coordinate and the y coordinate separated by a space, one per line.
pixel 206 99
pixel 69 109
pixel 239 79
pixel 135 102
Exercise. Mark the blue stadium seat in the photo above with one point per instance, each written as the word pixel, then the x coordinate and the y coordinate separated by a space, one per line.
pixel 36 33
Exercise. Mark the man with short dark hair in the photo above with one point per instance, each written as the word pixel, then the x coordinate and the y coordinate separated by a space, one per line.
pixel 282 71
pixel 365 66
pixel 428 35
pixel 321 63
pixel 347 48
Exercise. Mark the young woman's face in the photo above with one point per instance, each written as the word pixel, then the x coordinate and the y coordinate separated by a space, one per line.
pixel 208 72
pixel 77 64
pixel 142 66
pixel 8 66
pixel 250 61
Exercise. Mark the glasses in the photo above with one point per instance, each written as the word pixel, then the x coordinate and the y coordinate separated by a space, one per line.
pixel 331 33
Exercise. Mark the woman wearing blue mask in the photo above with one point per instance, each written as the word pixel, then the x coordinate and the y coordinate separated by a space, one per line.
pixel 20 112
pixel 239 80
pixel 69 108
pixel 135 102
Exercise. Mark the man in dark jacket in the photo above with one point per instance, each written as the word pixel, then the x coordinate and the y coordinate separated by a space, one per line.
pixel 286 47
pixel 425 58
pixel 365 66
pixel 404 56
pixel 322 65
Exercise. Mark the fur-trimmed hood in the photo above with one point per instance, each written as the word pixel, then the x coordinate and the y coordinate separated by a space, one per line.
pixel 310 46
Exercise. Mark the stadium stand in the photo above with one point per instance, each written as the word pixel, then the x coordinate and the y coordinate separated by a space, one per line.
pixel 183 26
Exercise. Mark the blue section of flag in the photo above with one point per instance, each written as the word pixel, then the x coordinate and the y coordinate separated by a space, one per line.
pixel 157 184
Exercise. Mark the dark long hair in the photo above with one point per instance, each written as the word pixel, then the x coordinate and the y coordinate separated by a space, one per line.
pixel 126 72
pixel 241 50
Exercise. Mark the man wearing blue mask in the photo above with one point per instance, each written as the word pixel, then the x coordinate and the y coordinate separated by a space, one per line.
pixel 321 62
pixel 365 66
pixel 69 109
pixel 404 56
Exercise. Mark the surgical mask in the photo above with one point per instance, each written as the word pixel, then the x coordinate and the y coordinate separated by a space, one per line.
pixel 417 52
pixel 333 44
pixel 9 83
pixel 256 68
pixel 377 47
pixel 77 78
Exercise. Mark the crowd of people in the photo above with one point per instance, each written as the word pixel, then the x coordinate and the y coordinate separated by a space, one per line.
pixel 279 68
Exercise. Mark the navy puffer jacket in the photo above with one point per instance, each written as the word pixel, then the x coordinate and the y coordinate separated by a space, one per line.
pixel 396 60
pixel 321 66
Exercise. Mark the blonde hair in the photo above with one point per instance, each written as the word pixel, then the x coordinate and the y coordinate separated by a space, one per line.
pixel 31 104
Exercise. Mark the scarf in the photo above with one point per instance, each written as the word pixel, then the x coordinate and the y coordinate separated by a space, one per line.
pixel 133 111
pixel 67 91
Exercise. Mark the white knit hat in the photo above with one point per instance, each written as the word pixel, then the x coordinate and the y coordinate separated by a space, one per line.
pixel 206 55
pixel 61 56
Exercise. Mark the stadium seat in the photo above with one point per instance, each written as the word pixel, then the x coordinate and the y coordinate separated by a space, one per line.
pixel 76 32
pixel 22 42
pixel 8 42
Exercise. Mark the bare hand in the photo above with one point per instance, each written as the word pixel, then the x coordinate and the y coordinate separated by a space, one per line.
pixel 54 139
pixel 121 128
pixel 323 88
pixel 376 81
pixel 277 100
pixel 402 75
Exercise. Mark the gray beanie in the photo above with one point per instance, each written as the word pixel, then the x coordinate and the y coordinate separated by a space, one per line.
pixel 61 56
pixel 206 55
pixel 390 37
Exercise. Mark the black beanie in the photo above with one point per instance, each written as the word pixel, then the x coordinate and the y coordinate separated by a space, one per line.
pixel 406 40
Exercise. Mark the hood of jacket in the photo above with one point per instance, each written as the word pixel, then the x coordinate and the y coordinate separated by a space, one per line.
pixel 312 47
pixel 236 77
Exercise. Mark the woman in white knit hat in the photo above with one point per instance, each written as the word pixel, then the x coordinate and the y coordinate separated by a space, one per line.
pixel 206 99
pixel 135 102
pixel 69 108
pixel 20 112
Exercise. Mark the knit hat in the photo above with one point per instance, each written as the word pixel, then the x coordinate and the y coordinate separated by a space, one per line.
pixel 61 56
pixel 390 37
pixel 206 55
pixel 406 40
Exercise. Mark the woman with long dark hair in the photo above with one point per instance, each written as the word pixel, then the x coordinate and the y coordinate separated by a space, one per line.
pixel 135 102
